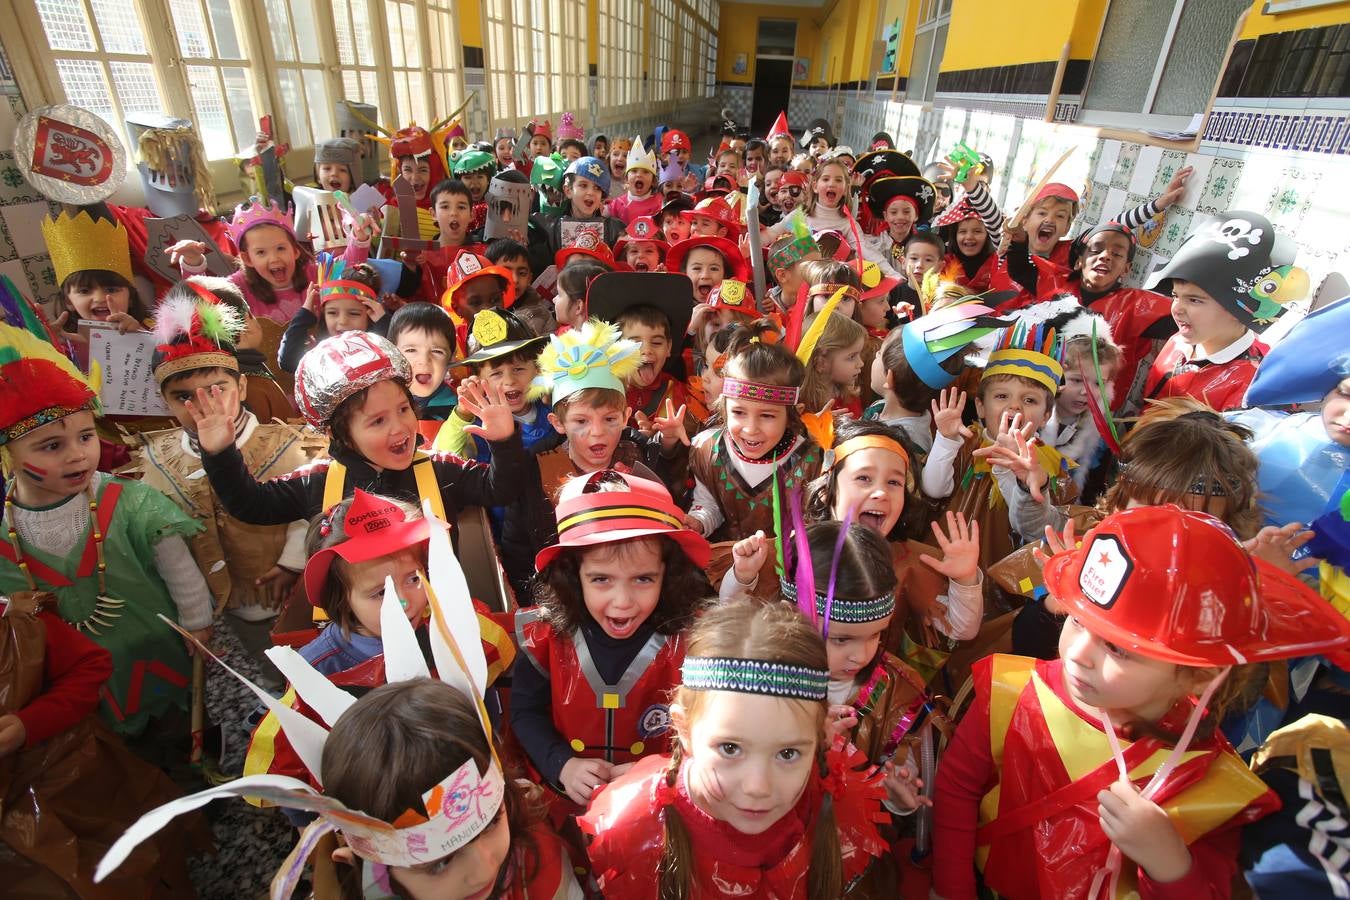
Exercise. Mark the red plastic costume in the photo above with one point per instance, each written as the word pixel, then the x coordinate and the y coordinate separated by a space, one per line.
pixel 1027 764
pixel 615 722
pixel 651 401
pixel 1218 384
pixel 551 875
pixel 625 822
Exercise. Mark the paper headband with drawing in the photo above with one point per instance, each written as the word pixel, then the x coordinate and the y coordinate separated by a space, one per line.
pixel 458 809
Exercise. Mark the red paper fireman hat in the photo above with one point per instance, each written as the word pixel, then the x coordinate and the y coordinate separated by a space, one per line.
pixel 375 527
pixel 606 507
pixel 1175 585
pixel 733 295
pixel 720 211
pixel 642 229
pixel 588 243
pixel 736 265
pixel 467 266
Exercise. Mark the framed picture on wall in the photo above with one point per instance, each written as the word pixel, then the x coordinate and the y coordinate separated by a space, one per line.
pixel 741 65
pixel 801 69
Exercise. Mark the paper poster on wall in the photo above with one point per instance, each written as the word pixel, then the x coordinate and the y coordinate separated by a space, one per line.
pixel 129 387
pixel 892 38
pixel 801 69
pixel 741 65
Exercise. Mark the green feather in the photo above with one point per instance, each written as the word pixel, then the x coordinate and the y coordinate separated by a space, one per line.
pixel 220 323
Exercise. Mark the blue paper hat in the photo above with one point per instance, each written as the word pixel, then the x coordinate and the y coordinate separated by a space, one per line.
pixel 1311 360
pixel 931 340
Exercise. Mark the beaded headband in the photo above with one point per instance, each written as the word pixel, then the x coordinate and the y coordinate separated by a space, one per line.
pixel 755 676
pixel 848 612
pixel 736 389
pixel 1202 486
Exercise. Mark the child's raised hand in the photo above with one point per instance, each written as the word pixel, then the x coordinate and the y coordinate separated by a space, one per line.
pixel 374 308
pixel 670 426
pixel 1175 188
pixel 947 410
pixel 580 777
pixel 487 403
pixel 125 322
pixel 193 253
pixel 311 303
pixel 748 556
pixel 213 416
pixel 700 315
pixel 840 720
pixel 960 548
pixel 1276 545
pixel 1143 832
pixel 904 787
pixel 13 735
pixel 1015 449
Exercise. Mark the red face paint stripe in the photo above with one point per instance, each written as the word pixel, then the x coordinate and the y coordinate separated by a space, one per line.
pixel 34 472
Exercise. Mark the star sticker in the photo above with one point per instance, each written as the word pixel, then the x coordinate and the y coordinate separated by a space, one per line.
pixel 1104 559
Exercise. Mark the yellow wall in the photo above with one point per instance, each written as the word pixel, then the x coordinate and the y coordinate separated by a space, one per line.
pixel 1259 24
pixel 983 34
pixel 470 25
pixel 738 28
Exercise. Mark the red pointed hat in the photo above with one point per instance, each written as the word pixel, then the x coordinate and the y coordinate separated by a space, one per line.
pixel 375 527
pixel 737 266
pixel 957 212
pixel 606 507
pixel 1175 585
pixel 779 128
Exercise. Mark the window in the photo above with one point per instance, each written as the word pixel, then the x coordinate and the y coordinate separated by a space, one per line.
pixel 1188 48
pixel 688 39
pixel 99 56
pixel 356 51
pixel 710 77
pixel 930 40
pixel 299 71
pixel 405 63
pixel 619 69
pixel 659 76
pixel 535 67
pixel 217 73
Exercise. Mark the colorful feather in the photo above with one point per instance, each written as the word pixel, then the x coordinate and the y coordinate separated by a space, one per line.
pixel 805 578
pixel 834 567
pixel 812 336
pixel 596 343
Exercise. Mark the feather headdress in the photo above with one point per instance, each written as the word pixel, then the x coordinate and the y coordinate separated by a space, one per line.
pixel 195 331
pixel 38 384
pixel 592 356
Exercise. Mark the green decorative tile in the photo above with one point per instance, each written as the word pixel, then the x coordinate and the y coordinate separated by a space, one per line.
pixel 1217 196
pixel 1129 154
pixel 1172 162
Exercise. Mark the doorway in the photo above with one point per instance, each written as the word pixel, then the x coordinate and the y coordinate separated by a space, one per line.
pixel 775 53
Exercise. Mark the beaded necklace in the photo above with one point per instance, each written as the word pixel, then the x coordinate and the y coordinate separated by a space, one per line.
pixel 105 607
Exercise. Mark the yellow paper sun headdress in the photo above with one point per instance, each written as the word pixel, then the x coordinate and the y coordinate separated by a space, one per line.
pixel 592 356
pixel 80 243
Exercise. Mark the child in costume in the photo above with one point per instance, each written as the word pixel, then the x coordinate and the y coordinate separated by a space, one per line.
pixel 336 164
pixel 753 801
pixel 1015 397
pixel 905 398
pixel 617 157
pixel 249 568
pixel 92 263
pixel 641 198
pixel 1091 360
pixel 833 364
pixel 473 284
pixel 474 169
pixel 355 387
pixel 358 550
pixel 585 185
pixel 705 385
pixel 651 309
pixel 389 748
pixel 784 261
pixel 1228 281
pixel 899 199
pixel 275 272
pixel 676 148
pixel 569 294
pixel 452 219
pixel 582 372
pixel 1015 792
pixel 760 452
pixel 641 248
pixel 674 226
pixel 713 216
pixel 602 650
pixel 343 298
pixel 1140 320
pixel 71 787
pixel 530 305
pixel 730 303
pixel 971 258
pixel 827 201
pixel 706 261
pixel 425 335
pixel 113 551
pixel 502 356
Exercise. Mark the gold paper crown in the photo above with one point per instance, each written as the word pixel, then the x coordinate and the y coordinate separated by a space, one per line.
pixel 80 242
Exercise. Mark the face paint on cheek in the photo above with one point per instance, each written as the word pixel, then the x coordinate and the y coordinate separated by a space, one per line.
pixel 34 472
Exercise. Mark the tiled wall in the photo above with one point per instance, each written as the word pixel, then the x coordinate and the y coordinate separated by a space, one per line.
pixel 23 253
pixel 1302 193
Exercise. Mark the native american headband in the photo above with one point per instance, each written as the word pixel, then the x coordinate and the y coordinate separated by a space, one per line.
pixel 736 389
pixel 754 676
pixel 849 612
pixel 829 287
pixel 458 809
pixel 868 442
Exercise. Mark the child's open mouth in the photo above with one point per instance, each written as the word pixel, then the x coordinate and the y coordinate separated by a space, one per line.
pixel 334 184
pixel 831 196
pixel 872 518
pixel 76 479
pixel 513 398
pixel 703 291
pixel 1045 233
pixel 401 447
pixel 99 312
pixel 277 273
pixel 641 266
pixel 620 628
pixel 749 447
pixel 598 452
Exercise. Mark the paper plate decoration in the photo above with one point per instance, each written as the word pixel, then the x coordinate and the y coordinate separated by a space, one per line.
pixel 70 155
